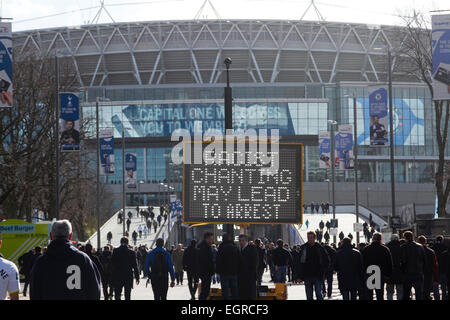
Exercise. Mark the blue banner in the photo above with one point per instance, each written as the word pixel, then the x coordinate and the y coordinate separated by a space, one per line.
pixel 378 112
pixel 130 170
pixel 107 152
pixel 69 125
pixel 344 147
pixel 441 56
pixel 6 74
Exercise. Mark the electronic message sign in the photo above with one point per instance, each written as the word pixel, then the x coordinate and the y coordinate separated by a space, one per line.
pixel 238 191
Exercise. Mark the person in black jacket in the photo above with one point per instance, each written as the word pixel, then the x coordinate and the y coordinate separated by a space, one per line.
pixel 26 262
pixel 63 272
pixel 329 272
pixel 205 264
pixel 314 262
pixel 89 251
pixel 396 279
pixel 227 267
pixel 431 270
pixel 282 258
pixel 261 260
pixel 377 254
pixel 248 268
pixel 124 266
pixel 412 264
pixel 348 264
pixel 105 260
pixel 441 251
pixel 190 265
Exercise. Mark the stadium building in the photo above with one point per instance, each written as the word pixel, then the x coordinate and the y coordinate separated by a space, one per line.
pixel 154 77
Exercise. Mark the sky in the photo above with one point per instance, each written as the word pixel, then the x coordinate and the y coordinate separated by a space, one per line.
pixel 39 14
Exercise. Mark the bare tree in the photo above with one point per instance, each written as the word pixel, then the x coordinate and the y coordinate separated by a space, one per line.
pixel 417 47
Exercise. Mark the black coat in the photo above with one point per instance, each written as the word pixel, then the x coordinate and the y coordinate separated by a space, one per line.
pixel 62 263
pixel 261 258
pixel 190 260
pixel 314 261
pixel 331 255
pixel 281 257
pixel 378 254
pixel 227 262
pixel 348 264
pixel 248 267
pixel 123 265
pixel 412 258
pixel 394 248
pixel 205 260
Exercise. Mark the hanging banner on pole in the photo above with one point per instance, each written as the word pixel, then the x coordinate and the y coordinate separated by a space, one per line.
pixel 378 112
pixel 130 168
pixel 6 77
pixel 69 122
pixel 107 152
pixel 440 40
pixel 344 147
pixel 324 150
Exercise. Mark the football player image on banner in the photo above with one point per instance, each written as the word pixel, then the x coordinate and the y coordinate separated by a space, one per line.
pixel 69 122
pixel 324 150
pixel 344 147
pixel 440 40
pixel 378 112
pixel 106 152
pixel 130 170
pixel 6 87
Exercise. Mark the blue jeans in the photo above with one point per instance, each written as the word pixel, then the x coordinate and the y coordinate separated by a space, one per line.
pixel 229 282
pixel 280 274
pixel 313 284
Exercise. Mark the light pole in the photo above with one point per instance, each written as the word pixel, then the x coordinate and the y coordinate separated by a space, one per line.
pixel 328 183
pixel 57 142
pixel 391 129
pixel 333 169
pixel 228 101
pixel 139 192
pixel 355 165
pixel 124 196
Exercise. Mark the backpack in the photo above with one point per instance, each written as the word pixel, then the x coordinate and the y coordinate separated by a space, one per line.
pixel 160 267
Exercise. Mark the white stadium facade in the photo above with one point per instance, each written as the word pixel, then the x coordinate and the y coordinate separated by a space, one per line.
pixel 154 77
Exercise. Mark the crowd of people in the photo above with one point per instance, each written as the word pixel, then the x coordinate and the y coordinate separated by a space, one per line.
pixel 65 271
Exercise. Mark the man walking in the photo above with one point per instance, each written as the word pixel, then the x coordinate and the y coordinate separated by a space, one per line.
pixel 124 266
pixel 190 265
pixel 348 264
pixel 431 270
pixel 109 237
pixel 282 258
pixel 412 264
pixel 396 279
pixel 314 262
pixel 158 266
pixel 228 267
pixel 177 258
pixel 261 260
pixel 63 272
pixel 377 254
pixel 248 267
pixel 205 264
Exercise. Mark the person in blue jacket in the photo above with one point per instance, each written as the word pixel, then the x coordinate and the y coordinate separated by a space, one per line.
pixel 158 266
pixel 63 272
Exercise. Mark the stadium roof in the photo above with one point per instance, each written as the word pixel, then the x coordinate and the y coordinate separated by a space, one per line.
pixel 192 52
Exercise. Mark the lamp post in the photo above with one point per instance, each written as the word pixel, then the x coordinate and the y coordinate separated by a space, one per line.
pixel 333 169
pixel 328 183
pixel 124 196
pixel 391 129
pixel 228 101
pixel 139 192
pixel 355 165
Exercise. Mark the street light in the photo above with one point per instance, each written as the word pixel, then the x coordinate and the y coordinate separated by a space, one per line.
pixel 333 169
pixel 391 127
pixel 355 165
pixel 124 197
pixel 97 201
pixel 328 183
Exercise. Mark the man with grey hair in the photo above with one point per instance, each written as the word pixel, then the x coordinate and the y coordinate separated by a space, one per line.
pixel 396 279
pixel 377 254
pixel 63 272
